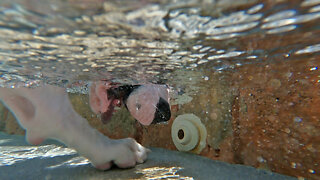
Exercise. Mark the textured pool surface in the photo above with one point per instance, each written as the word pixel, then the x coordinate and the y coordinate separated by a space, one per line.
pixel 21 161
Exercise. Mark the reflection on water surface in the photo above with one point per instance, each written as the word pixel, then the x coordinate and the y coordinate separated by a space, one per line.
pixel 64 42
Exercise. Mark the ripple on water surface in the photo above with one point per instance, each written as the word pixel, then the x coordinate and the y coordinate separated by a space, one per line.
pixel 145 42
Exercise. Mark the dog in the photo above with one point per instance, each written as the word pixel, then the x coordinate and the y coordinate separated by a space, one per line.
pixel 147 103
pixel 46 112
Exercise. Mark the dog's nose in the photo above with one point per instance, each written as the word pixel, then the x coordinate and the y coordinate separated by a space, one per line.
pixel 163 112
pixel 149 104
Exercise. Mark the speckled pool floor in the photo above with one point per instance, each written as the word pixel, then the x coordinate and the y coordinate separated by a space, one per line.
pixel 18 160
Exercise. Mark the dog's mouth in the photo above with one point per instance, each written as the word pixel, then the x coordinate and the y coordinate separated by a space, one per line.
pixel 121 92
pixel 106 116
pixel 117 95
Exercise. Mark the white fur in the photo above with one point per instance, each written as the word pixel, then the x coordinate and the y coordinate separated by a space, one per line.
pixel 46 112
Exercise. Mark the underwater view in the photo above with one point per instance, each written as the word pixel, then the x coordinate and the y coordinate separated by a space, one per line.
pixel 160 89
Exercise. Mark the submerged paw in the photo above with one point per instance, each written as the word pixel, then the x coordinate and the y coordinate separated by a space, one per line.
pixel 131 153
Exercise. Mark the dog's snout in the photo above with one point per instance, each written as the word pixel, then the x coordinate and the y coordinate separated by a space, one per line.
pixel 163 112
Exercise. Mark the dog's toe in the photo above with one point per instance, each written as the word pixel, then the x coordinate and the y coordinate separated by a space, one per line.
pixel 131 153
pixel 105 166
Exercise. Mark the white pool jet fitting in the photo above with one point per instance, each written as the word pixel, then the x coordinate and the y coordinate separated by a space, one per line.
pixel 188 133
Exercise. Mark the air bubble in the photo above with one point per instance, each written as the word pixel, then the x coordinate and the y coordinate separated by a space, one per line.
pixel 313 68
pixel 297 119
pixel 311 171
pixel 261 159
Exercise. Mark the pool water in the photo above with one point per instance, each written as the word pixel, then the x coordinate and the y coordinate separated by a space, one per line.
pixel 249 69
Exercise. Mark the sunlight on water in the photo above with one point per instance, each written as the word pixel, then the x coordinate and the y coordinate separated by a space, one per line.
pixel 2 141
pixel 309 49
pixel 76 161
pixel 10 155
pixel 70 48
pixel 162 173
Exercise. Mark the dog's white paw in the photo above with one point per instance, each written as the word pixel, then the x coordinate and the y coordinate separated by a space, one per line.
pixel 46 112
pixel 126 153
pixel 129 153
